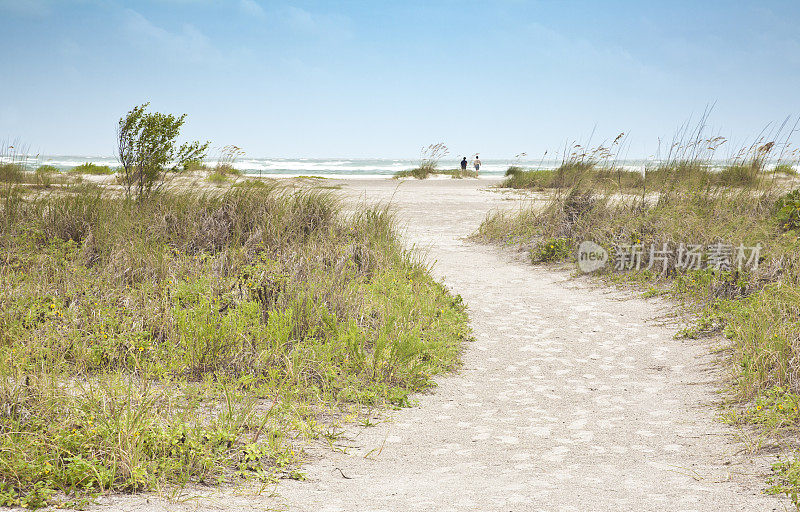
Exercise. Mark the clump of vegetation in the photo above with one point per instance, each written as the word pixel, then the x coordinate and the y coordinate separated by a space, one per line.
pixel 785 169
pixel 428 162
pixel 217 178
pixel 14 160
pixel 47 175
pixel 190 339
pixel 553 249
pixel 228 157
pixel 195 166
pixel 92 169
pixel 11 173
pixel 421 174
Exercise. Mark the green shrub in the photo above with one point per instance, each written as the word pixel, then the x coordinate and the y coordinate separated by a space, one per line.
pixel 227 170
pixel 419 173
pixel 148 150
pixel 516 177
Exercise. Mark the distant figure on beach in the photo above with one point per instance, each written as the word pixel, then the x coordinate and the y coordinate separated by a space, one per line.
pixel 464 164
pixel 477 163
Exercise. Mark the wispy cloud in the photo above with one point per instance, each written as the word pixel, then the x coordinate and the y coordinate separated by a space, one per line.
pixel 187 43
pixel 252 8
pixel 331 27
pixel 26 7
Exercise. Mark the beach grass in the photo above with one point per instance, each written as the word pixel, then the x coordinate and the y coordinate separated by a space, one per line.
pixel 92 169
pixel 190 338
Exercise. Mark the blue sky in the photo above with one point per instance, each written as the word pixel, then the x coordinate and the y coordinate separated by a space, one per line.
pixel 381 79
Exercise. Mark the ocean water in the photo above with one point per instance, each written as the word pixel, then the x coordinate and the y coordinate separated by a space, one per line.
pixel 339 167
pixel 335 167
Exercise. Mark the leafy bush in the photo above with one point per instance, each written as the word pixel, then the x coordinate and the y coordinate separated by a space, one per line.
pixel 146 146
pixel 785 169
pixel 428 162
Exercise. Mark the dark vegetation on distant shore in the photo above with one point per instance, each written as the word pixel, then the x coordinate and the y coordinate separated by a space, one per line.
pixel 421 173
pixel 154 339
pixel 683 202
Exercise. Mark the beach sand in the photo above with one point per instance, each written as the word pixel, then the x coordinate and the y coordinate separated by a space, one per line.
pixel 572 397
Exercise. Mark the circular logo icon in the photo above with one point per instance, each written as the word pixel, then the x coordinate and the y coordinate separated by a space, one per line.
pixel 591 257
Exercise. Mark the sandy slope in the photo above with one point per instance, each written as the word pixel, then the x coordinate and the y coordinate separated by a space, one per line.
pixel 572 397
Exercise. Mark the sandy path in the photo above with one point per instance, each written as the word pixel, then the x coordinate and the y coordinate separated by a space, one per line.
pixel 571 397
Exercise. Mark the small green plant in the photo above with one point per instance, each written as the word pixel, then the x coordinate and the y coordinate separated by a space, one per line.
pixel 785 169
pixel 554 249
pixel 788 211
pixel 785 479
pixel 738 174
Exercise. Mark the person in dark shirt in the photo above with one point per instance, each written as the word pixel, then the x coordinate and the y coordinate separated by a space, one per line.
pixel 464 164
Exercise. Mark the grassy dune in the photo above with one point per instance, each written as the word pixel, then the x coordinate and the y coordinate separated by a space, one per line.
pixel 684 203
pixel 193 338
